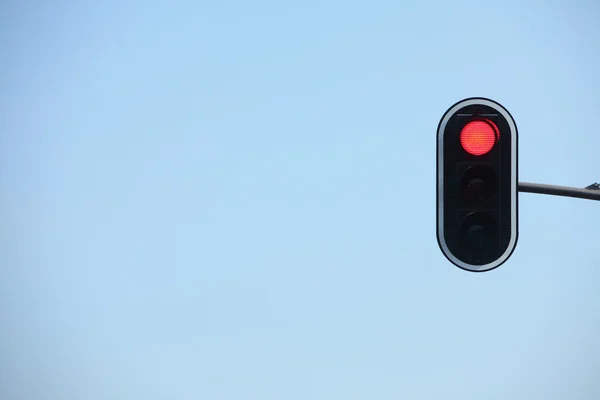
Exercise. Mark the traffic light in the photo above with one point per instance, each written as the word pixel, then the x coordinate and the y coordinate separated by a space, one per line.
pixel 477 182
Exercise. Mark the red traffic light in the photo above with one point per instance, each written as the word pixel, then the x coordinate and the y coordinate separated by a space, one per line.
pixel 477 184
pixel 479 137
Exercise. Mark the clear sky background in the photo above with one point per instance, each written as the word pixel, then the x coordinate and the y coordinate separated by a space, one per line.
pixel 236 200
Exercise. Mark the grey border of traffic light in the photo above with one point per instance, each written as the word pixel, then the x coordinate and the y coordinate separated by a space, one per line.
pixel 514 184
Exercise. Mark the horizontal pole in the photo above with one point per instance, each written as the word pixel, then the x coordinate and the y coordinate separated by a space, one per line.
pixel 589 194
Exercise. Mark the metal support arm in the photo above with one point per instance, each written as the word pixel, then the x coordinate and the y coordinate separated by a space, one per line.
pixel 591 192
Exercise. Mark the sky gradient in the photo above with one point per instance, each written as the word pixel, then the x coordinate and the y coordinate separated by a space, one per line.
pixel 236 201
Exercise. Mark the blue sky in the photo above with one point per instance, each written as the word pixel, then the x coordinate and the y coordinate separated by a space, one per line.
pixel 236 200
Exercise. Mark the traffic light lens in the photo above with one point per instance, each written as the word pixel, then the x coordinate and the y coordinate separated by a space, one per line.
pixel 479 238
pixel 478 184
pixel 478 137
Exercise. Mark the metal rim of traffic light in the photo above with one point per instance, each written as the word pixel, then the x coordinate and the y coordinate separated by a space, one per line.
pixel 440 184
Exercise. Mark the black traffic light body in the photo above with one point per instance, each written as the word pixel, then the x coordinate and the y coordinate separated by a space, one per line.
pixel 477 184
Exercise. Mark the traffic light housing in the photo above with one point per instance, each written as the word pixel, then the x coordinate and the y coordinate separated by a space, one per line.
pixel 477 183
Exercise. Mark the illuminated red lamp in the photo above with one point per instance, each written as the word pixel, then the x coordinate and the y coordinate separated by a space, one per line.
pixel 479 137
